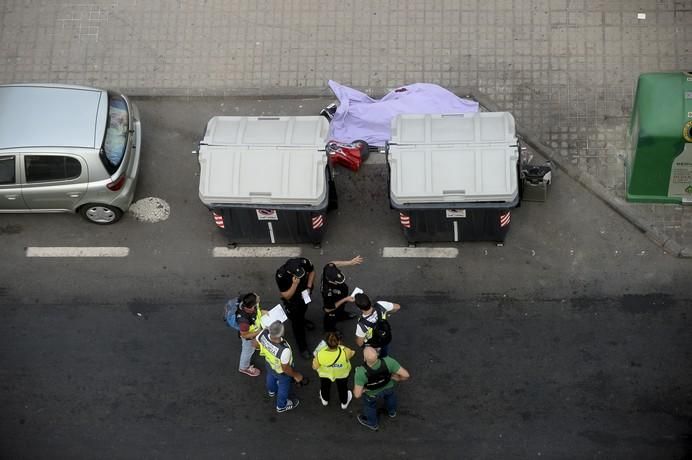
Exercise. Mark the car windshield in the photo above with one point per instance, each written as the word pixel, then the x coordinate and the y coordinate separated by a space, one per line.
pixel 115 140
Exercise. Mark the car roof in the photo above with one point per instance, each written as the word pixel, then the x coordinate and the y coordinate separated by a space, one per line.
pixel 47 115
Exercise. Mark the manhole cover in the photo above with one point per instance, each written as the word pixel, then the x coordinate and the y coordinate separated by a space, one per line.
pixel 150 209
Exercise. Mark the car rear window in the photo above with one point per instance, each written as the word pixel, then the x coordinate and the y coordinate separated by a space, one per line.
pixel 115 141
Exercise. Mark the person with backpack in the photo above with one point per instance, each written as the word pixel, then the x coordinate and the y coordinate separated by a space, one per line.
pixel 333 364
pixel 372 328
pixel 244 315
pixel 280 371
pixel 335 292
pixel 375 380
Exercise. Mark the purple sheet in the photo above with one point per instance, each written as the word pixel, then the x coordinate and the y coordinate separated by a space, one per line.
pixel 360 117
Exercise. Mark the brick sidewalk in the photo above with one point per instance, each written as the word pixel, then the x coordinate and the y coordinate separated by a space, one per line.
pixel 565 68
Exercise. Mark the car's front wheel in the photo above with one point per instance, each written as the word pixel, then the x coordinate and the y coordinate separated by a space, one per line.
pixel 102 214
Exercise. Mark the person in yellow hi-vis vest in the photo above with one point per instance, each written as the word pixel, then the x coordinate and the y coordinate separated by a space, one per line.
pixel 280 371
pixel 248 316
pixel 332 362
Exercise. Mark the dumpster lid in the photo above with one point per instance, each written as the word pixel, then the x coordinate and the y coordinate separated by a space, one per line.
pixel 454 159
pixel 267 131
pixel 239 166
pixel 459 128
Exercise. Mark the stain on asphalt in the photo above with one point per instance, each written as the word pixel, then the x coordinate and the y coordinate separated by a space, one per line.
pixel 141 309
pixel 646 303
pixel 10 229
pixel 585 303
pixel 600 438
pixel 214 295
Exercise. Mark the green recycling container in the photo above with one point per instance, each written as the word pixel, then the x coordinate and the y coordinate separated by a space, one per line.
pixel 659 163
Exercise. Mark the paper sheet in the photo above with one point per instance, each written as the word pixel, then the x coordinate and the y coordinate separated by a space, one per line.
pixel 320 346
pixel 356 290
pixel 306 296
pixel 275 314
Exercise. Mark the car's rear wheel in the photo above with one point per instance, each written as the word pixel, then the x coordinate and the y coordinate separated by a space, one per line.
pixel 102 214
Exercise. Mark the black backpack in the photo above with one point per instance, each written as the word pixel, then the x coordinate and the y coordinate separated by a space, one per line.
pixel 381 331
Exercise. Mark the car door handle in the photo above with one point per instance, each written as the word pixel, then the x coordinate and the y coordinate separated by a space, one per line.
pixel 11 197
pixel 74 195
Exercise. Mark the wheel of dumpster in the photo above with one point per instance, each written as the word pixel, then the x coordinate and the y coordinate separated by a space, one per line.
pixel 687 131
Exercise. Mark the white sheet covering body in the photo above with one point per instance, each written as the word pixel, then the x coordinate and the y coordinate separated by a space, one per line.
pixel 360 117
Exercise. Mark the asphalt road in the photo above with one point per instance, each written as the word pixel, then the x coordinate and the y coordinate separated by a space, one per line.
pixel 570 341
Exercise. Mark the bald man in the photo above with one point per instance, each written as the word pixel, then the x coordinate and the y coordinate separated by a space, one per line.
pixel 375 380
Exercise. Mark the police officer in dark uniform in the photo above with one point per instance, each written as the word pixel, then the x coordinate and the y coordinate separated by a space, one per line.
pixel 335 292
pixel 293 278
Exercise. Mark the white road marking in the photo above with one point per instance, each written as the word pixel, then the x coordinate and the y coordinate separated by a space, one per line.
pixel 65 251
pixel 435 253
pixel 264 251
pixel 271 233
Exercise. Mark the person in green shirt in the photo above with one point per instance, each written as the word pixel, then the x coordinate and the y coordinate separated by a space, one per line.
pixel 375 380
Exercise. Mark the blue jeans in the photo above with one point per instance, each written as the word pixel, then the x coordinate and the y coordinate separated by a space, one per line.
pixel 279 384
pixel 370 405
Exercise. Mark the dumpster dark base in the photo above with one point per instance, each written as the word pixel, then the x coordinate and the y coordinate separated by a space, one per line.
pixel 433 225
pixel 242 225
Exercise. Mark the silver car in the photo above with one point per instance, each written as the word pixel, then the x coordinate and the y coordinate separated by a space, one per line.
pixel 68 149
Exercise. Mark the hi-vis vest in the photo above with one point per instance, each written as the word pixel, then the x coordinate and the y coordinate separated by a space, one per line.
pixel 365 325
pixel 272 351
pixel 255 325
pixel 334 364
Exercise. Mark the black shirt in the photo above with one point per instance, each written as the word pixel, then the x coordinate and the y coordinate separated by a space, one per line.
pixel 284 280
pixel 332 293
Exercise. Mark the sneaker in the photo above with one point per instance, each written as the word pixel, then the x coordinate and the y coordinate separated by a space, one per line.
pixel 324 402
pixel 290 405
pixel 392 414
pixel 271 394
pixel 252 371
pixel 363 421
pixel 348 400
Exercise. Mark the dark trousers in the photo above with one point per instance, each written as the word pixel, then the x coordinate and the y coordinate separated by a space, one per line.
pixel 341 388
pixel 296 313
pixel 330 319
